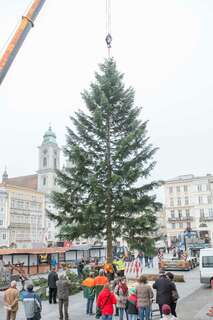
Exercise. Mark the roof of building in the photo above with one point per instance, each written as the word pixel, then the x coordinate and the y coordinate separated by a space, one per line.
pixel 30 181
pixel 48 250
pixel 189 177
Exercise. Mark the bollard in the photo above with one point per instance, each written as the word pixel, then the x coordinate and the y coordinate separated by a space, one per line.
pixel 211 283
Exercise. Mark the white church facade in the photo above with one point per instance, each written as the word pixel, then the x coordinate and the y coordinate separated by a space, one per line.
pixel 27 224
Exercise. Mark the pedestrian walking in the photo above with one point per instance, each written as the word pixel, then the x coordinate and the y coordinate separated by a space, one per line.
pixel 52 278
pixel 80 268
pixel 32 304
pixel 106 303
pixel 121 292
pixel 166 310
pixel 151 264
pixel 11 298
pixel 100 281
pixel 63 289
pixel 175 295
pixel 144 298
pixel 164 289
pixel 131 306
pixel 89 292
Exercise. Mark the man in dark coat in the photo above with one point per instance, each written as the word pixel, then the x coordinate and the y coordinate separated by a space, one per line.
pixel 52 278
pixel 164 289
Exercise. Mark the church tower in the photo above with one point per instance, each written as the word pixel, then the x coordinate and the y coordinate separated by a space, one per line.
pixel 49 161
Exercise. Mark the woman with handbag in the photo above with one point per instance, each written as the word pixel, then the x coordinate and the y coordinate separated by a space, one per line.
pixel 121 292
pixel 106 304
pixel 175 295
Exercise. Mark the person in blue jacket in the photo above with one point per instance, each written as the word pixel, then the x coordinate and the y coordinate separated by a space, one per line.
pixel 32 304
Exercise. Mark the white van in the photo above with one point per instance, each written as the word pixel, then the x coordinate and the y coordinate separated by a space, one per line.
pixel 206 265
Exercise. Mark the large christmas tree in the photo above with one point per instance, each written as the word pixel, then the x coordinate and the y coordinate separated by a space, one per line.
pixel 104 189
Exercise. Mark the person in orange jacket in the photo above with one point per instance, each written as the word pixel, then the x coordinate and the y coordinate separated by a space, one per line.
pixel 89 292
pixel 100 281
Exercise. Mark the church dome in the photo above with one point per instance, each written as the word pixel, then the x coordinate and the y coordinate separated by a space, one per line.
pixel 49 136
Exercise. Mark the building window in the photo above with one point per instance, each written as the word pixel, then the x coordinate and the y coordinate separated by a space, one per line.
pixel 55 163
pixel 179 214
pixel 171 202
pixel 178 188
pixel 179 201
pixel 187 213
pixel 188 225
pixel 172 214
pixel 4 236
pixel 173 225
pixel 170 189
pixel 200 200
pixel 209 199
pixel 44 181
pixel 55 181
pixel 208 187
pixel 1 222
pixel 181 225
pixel 202 213
pixel 199 187
pixel 185 188
pixel 186 200
pixel 211 212
pixel 44 162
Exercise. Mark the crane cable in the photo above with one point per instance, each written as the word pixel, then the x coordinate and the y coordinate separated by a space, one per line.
pixel 108 38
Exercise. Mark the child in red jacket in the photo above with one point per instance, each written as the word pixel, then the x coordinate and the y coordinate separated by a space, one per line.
pixel 106 302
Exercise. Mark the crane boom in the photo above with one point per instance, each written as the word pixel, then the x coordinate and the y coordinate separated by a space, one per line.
pixel 18 38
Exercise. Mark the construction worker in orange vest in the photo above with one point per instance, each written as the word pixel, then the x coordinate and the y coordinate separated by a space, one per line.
pixel 89 292
pixel 100 281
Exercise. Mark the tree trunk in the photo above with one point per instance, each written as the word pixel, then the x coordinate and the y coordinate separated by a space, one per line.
pixel 109 195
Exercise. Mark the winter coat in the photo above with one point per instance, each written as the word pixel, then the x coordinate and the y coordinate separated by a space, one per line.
pixel 105 301
pixel 164 289
pixel 121 297
pixel 63 287
pixel 11 297
pixel 52 278
pixel 144 295
pixel 89 288
pixel 132 304
pixel 32 303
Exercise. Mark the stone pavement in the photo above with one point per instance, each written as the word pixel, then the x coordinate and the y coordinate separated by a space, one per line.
pixel 196 305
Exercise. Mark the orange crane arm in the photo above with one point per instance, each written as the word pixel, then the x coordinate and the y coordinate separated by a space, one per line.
pixel 20 34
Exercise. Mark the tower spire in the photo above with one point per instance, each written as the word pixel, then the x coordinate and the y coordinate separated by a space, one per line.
pixel 5 175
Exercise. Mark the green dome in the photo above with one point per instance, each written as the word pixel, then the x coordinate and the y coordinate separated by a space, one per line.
pixel 49 136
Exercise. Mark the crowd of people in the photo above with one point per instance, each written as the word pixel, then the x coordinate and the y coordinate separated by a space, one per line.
pixel 105 297
pixel 115 298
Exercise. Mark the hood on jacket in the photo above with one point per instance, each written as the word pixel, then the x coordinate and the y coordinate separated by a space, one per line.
pixel 105 292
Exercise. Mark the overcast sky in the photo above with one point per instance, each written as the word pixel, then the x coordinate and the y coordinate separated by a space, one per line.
pixel 165 49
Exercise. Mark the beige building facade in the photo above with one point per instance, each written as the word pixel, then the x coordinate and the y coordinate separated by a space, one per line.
pixel 189 205
pixel 22 216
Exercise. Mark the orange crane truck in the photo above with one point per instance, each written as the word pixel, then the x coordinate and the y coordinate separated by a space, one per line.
pixel 19 36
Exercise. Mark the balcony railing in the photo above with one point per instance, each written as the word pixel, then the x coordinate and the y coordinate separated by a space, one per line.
pixel 209 218
pixel 173 219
